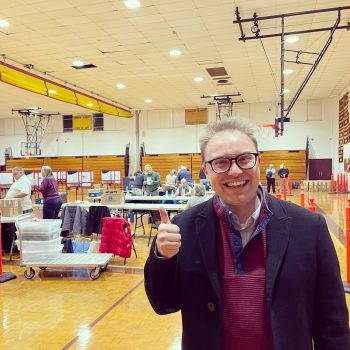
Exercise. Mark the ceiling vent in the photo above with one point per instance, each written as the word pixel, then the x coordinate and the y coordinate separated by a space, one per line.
pixel 217 71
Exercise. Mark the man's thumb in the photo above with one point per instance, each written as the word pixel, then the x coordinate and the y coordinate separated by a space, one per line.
pixel 164 216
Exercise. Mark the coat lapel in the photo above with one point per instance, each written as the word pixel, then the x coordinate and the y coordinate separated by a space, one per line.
pixel 278 233
pixel 206 230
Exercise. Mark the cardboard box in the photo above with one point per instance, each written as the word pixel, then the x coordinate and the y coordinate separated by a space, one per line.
pixel 111 198
pixel 38 211
pixel 11 207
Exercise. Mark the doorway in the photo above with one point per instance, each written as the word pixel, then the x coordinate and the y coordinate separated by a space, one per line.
pixel 320 169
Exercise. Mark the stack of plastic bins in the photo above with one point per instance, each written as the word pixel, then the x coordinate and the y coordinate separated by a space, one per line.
pixel 39 240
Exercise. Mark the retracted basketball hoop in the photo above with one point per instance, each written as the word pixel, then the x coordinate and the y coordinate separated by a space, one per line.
pixel 35 122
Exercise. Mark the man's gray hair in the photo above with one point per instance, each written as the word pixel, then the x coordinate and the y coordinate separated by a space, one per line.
pixel 234 124
pixel 18 169
pixel 199 190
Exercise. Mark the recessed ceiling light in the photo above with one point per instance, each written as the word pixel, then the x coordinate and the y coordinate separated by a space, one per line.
pixel 78 63
pixel 4 23
pixel 148 100
pixel 120 86
pixel 175 53
pixel 288 71
pixel 132 4
pixel 198 79
pixel 90 104
pixel 286 91
pixel 51 91
pixel 292 39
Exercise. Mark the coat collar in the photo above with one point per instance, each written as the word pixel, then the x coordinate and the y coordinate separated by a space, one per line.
pixel 278 233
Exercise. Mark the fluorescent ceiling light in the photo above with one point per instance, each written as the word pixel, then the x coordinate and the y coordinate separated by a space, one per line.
pixel 288 71
pixel 175 53
pixel 148 100
pixel 4 23
pixel 292 39
pixel 285 91
pixel 198 79
pixel 78 63
pixel 120 86
pixel 132 4
pixel 51 91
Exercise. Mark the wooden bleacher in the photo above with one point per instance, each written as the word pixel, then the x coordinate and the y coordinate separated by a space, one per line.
pixel 295 161
pixel 163 163
pixel 95 163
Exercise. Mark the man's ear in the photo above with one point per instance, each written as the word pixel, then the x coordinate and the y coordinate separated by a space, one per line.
pixel 205 170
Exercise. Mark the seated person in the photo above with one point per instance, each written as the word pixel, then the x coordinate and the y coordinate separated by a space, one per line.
pixel 198 197
pixel 184 189
pixel 170 181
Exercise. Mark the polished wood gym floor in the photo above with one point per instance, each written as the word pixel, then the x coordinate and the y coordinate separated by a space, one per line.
pixel 64 309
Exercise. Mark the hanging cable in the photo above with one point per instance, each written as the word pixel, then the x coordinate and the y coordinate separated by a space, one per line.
pixel 269 63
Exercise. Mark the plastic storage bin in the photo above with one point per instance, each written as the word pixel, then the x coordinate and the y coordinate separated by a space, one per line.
pixel 40 230
pixel 42 246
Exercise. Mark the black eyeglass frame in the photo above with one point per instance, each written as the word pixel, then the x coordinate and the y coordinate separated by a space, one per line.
pixel 256 155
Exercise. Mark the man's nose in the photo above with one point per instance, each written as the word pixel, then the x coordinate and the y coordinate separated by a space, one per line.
pixel 234 168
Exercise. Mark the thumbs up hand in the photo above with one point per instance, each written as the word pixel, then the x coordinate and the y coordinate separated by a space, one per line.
pixel 168 239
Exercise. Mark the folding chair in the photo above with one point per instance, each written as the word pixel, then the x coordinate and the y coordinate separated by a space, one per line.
pixel 155 222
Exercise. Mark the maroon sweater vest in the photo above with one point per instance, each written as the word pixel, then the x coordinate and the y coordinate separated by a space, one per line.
pixel 245 317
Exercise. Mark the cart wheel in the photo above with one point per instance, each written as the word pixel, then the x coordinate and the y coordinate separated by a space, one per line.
pixel 104 267
pixel 42 268
pixel 29 275
pixel 95 275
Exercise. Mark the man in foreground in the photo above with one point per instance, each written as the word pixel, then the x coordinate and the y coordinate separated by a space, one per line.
pixel 247 271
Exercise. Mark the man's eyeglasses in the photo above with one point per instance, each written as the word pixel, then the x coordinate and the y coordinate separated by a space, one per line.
pixel 243 161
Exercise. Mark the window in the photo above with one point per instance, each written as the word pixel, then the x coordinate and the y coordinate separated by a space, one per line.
pixel 67 123
pixel 98 121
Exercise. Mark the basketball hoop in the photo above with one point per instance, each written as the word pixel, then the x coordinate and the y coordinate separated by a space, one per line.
pixel 273 126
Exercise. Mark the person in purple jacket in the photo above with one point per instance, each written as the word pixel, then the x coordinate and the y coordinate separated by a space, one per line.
pixel 49 190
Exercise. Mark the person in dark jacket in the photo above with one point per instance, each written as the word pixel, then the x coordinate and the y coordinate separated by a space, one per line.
pixel 138 183
pixel 246 270
pixel 184 173
pixel 49 190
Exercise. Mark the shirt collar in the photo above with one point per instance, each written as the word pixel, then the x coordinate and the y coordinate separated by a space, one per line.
pixel 254 217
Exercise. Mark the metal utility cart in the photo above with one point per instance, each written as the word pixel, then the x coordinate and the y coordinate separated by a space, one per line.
pixel 40 246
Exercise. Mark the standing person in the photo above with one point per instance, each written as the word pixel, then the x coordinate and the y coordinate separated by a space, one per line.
pixel 49 190
pixel 270 178
pixel 151 181
pixel 203 179
pixel 138 183
pixel 21 188
pixel 184 173
pixel 283 172
pixel 247 271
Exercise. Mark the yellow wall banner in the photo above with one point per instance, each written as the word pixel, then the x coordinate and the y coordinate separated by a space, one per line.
pixel 82 122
